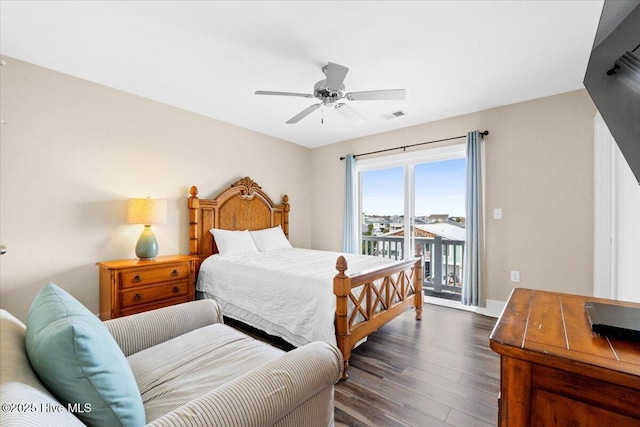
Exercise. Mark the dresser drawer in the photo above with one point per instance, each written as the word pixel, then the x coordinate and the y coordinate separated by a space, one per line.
pixel 145 295
pixel 129 286
pixel 159 304
pixel 148 276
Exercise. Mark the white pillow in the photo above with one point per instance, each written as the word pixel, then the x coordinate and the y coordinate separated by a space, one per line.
pixel 233 242
pixel 270 239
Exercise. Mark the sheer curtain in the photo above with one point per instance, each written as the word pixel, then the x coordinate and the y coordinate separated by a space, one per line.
pixel 350 228
pixel 472 267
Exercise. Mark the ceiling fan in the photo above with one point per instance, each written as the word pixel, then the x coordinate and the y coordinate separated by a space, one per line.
pixel 331 90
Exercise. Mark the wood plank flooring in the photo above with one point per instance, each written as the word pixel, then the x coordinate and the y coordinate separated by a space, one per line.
pixel 436 372
pixel 439 372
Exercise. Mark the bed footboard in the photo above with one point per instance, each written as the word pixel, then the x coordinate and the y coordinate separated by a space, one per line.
pixel 370 299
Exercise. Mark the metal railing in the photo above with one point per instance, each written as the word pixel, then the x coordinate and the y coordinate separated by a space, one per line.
pixel 443 258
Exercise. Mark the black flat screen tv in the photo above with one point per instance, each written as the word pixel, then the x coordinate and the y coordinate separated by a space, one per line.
pixel 613 76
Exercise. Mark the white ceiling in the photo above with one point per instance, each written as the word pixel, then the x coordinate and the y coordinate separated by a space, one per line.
pixel 452 57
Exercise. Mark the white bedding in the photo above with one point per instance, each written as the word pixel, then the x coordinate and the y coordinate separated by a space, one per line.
pixel 287 293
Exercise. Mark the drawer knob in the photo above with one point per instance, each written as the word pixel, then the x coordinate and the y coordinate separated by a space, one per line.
pixel 137 279
pixel 176 290
pixel 174 273
pixel 138 297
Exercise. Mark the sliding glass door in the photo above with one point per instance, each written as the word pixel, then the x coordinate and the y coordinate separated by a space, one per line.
pixel 439 225
pixel 416 199
pixel 382 211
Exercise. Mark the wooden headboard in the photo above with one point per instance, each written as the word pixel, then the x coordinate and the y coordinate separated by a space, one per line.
pixel 243 206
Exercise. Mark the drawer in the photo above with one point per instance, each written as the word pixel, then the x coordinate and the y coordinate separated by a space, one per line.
pixel 145 295
pixel 161 304
pixel 148 276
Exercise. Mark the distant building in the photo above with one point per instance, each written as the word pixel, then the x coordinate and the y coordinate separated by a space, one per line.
pixel 433 218
pixel 397 223
pixel 447 230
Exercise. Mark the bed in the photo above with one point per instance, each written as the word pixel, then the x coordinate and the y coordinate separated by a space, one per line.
pixel 297 294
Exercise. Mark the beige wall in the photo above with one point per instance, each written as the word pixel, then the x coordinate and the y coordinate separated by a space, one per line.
pixel 73 152
pixel 539 170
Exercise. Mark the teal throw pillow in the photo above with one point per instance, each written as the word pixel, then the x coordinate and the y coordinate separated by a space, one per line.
pixel 78 360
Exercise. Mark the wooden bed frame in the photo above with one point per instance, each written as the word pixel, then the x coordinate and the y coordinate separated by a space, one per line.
pixel 386 292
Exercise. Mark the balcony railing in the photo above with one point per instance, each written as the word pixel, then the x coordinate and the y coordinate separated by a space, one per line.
pixel 443 258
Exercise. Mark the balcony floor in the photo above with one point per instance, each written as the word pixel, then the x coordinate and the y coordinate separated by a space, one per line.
pixel 443 295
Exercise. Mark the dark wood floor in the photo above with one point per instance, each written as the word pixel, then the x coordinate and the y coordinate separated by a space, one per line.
pixel 436 372
pixel 439 371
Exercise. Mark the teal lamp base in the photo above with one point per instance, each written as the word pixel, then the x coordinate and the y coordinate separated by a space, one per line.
pixel 147 246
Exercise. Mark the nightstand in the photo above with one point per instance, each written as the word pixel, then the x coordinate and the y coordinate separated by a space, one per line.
pixel 132 286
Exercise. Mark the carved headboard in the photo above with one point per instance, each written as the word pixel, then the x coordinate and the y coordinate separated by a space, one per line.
pixel 243 206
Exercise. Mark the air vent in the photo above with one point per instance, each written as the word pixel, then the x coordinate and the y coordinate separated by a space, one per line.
pixel 394 114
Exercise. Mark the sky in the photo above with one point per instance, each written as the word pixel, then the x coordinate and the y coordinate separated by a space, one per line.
pixel 440 189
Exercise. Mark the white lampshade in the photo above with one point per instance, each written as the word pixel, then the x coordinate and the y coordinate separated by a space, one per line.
pixel 147 211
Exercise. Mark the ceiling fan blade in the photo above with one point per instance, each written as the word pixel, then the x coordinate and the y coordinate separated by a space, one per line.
pixel 349 113
pixel 335 76
pixel 377 95
pixel 304 113
pixel 268 92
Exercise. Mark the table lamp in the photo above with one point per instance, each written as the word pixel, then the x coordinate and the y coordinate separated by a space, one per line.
pixel 147 211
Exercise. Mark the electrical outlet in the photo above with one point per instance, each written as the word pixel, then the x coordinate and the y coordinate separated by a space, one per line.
pixel 515 276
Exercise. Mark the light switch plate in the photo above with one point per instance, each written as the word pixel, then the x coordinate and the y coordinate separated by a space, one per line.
pixel 515 276
pixel 497 213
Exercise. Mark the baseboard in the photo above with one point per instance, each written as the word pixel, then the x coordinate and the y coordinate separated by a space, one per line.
pixel 493 309
pixel 448 303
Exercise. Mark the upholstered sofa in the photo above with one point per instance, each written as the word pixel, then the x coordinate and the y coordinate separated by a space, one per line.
pixel 190 370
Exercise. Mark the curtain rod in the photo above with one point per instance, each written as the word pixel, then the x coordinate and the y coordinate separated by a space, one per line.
pixel 404 147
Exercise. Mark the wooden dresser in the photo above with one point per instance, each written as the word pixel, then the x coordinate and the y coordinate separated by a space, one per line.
pixel 132 286
pixel 556 372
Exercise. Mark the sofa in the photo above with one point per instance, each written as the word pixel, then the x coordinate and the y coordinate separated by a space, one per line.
pixel 190 369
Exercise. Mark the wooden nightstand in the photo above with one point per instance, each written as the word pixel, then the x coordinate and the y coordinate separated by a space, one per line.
pixel 132 286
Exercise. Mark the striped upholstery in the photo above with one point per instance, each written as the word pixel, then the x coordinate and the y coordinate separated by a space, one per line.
pixel 265 395
pixel 184 368
pixel 19 385
pixel 262 386
pixel 144 330
pixel 318 410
